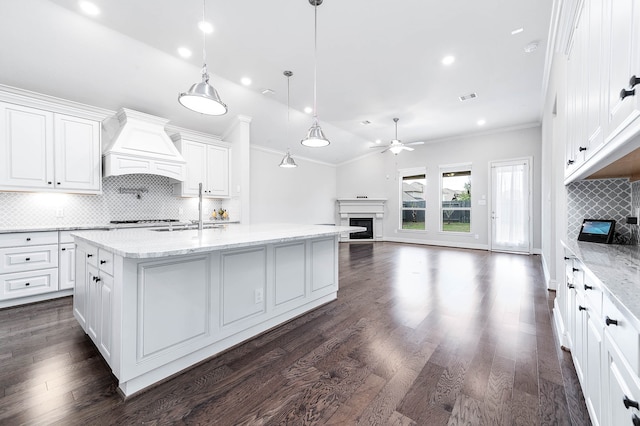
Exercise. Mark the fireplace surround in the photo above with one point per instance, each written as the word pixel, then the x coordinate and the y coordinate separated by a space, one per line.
pixel 362 208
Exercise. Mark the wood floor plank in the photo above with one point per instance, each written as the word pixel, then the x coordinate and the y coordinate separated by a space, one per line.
pixel 419 335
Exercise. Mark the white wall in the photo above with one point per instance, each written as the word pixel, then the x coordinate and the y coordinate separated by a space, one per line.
pixel 305 194
pixel 376 176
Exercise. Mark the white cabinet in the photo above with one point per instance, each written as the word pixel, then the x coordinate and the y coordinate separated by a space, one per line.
pixel 28 264
pixel 623 60
pixel 93 296
pixel 42 150
pixel 622 391
pixel 207 162
pixel 66 266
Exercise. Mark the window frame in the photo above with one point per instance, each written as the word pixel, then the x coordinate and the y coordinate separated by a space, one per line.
pixel 454 168
pixel 402 173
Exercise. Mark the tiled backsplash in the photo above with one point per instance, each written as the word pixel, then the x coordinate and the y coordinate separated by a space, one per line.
pixel 41 209
pixel 601 199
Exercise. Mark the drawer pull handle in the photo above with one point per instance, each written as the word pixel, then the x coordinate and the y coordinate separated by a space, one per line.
pixel 63 249
pixel 633 81
pixel 89 255
pixel 566 258
pixel 581 308
pixel 610 321
pixel 629 403
pixel 636 420
pixel 588 287
pixel 27 259
pixel 26 284
pixel 28 238
pixel 582 148
pixel 624 93
pixel 96 279
pixel 571 286
pixel 575 269
pixel 570 162
pixel 102 262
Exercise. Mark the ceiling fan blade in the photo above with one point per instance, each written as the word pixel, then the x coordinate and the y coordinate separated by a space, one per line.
pixel 377 146
pixel 415 143
pixel 385 150
pixel 407 148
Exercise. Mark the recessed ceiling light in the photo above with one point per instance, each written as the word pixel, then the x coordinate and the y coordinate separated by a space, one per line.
pixel 308 110
pixel 467 97
pixel 482 122
pixel 267 92
pixel 205 27
pixel 517 31
pixel 184 52
pixel 531 47
pixel 89 8
pixel 448 60
pixel 245 81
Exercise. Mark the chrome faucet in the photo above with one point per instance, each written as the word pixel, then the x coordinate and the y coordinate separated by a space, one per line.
pixel 200 206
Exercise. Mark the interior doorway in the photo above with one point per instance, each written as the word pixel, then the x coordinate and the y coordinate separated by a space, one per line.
pixel 510 219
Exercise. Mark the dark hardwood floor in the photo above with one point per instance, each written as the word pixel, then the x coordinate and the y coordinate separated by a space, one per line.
pixel 419 335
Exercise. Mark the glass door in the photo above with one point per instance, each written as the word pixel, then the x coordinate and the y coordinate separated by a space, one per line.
pixel 511 206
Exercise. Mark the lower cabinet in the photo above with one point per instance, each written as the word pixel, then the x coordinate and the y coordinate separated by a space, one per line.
pixel 622 391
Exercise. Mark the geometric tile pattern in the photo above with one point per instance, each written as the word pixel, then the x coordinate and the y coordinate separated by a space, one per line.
pixel 598 199
pixel 19 209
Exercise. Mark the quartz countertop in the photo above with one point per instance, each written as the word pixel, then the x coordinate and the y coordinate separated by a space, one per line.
pixel 618 268
pixel 150 243
pixel 106 226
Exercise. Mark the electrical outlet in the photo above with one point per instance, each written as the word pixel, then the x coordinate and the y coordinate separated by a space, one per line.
pixel 59 212
pixel 258 295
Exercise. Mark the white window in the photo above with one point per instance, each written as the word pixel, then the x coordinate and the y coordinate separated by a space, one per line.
pixel 413 183
pixel 455 204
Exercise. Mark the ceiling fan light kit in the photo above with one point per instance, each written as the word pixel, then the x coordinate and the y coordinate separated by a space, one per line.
pixel 396 146
pixel 315 137
pixel 202 97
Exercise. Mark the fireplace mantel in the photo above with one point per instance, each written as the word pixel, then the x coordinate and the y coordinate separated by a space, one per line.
pixel 362 208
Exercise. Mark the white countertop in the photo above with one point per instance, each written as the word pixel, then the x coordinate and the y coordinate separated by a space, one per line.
pixel 618 268
pixel 149 243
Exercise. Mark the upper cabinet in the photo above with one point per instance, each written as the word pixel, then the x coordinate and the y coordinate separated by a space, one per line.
pixel 603 63
pixel 47 151
pixel 208 162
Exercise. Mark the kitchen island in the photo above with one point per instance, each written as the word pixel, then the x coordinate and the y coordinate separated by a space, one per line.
pixel 156 302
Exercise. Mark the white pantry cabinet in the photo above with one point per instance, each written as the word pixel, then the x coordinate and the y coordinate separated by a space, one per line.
pixel 207 162
pixel 47 151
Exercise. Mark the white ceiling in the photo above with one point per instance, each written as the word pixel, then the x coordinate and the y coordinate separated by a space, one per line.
pixel 377 59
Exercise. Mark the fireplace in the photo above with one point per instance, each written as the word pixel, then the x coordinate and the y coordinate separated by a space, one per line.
pixel 365 212
pixel 365 222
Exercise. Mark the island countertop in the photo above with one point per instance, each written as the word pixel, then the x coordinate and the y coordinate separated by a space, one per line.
pixel 150 243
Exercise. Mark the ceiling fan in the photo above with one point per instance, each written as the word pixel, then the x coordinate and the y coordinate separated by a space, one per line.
pixel 396 146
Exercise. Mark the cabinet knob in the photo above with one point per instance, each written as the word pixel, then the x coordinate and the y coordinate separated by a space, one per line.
pixel 49 183
pixel 570 162
pixel 97 279
pixel 63 249
pixel 57 183
pixel 581 308
pixel 575 269
pixel 28 238
pixel 571 286
pixel 610 321
pixel 633 81
pixel 624 93
pixel 629 403
pixel 588 287
pixel 102 262
pixel 582 148
pixel 27 259
pixel 27 284
pixel 566 258
pixel 89 255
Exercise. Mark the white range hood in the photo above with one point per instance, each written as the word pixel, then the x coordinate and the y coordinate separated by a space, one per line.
pixel 140 145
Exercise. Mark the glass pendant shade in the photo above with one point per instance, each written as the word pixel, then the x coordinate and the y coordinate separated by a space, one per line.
pixel 287 161
pixel 203 98
pixel 315 137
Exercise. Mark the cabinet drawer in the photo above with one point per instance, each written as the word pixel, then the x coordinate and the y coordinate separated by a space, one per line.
pixel 21 284
pixel 624 335
pixel 105 263
pixel 16 259
pixel 92 256
pixel 593 293
pixel 16 239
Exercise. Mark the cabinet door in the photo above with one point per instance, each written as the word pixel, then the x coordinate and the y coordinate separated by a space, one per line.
pixel 578 349
pixel 195 154
pixel 67 266
pixel 93 303
pixel 217 171
pixel 26 144
pixel 593 366
pixel 624 61
pixel 621 392
pixel 105 284
pixel 77 154
pixel 81 288
pixel 593 18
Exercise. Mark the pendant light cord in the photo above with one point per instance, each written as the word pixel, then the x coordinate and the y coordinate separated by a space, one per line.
pixel 315 60
pixel 205 75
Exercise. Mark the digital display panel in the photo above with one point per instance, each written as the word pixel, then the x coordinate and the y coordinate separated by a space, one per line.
pixel 597 231
pixel 596 227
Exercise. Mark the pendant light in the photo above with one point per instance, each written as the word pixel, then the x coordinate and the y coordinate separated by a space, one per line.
pixel 202 97
pixel 315 137
pixel 287 162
